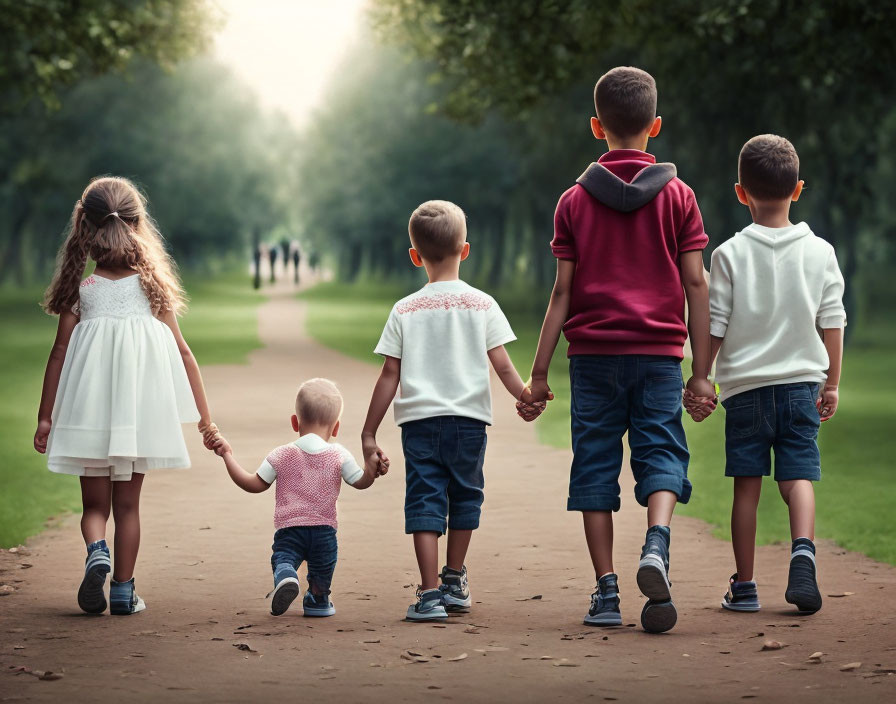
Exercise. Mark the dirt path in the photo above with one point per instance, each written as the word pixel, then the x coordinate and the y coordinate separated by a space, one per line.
pixel 204 571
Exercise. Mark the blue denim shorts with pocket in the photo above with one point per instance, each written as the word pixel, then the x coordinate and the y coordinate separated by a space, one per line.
pixel 315 545
pixel 783 418
pixel 443 458
pixel 617 394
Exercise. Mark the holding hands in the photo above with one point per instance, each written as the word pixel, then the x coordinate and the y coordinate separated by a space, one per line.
pixel 700 398
pixel 533 400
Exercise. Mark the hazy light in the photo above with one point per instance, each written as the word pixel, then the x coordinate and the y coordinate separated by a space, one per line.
pixel 287 49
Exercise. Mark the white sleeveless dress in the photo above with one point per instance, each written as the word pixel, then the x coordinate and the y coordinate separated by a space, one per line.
pixel 123 392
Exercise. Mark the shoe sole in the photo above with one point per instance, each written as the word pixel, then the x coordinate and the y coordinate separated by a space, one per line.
pixel 603 621
pixel 422 618
pixel 652 579
pixel 283 597
pixel 741 607
pixel 807 600
pixel 318 613
pixel 658 617
pixel 456 606
pixel 91 598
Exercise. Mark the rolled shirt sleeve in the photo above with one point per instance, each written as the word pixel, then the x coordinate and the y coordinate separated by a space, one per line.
pixel 351 470
pixel 691 235
pixel 267 471
pixel 563 245
pixel 390 341
pixel 720 294
pixel 831 313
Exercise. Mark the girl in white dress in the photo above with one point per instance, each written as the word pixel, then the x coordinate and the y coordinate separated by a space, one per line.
pixel 120 379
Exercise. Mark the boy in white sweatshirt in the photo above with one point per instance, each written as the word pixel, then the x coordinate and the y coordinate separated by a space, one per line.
pixel 777 322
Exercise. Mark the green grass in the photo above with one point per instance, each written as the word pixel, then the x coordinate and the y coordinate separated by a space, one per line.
pixel 220 327
pixel 853 498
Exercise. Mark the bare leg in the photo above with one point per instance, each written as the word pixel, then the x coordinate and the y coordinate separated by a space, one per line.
pixel 660 505
pixel 96 497
pixel 126 510
pixel 458 544
pixel 599 536
pixel 743 524
pixel 426 546
pixel 799 496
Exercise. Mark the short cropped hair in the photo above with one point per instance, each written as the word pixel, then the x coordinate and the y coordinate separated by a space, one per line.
pixel 768 167
pixel 319 402
pixel 438 230
pixel 625 101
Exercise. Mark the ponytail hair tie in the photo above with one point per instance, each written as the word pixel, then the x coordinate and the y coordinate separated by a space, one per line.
pixel 114 213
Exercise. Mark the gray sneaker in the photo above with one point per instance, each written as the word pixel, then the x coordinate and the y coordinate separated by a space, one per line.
pixel 455 590
pixel 428 606
pixel 659 613
pixel 604 609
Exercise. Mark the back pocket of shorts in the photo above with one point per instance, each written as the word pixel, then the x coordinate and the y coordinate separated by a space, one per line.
pixel 742 417
pixel 804 418
pixel 418 443
pixel 663 393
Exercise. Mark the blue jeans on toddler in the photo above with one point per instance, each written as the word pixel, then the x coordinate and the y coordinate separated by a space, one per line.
pixel 615 394
pixel 443 459
pixel 782 417
pixel 297 544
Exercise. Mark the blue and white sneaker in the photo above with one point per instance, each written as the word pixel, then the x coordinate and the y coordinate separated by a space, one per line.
pixel 285 592
pixel 741 596
pixel 318 605
pixel 428 606
pixel 91 597
pixel 455 590
pixel 604 609
pixel 802 585
pixel 123 599
pixel 659 614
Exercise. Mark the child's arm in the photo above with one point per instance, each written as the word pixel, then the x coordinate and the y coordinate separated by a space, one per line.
pixel 206 427
pixel 67 322
pixel 554 320
pixel 361 477
pixel 507 373
pixel 243 479
pixel 830 396
pixel 693 278
pixel 383 394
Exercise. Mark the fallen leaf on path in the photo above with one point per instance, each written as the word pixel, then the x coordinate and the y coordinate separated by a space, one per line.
pixel 405 656
pixel 18 647
pixel 48 675
pixel 565 663
pixel 849 667
pixel 421 659
pixel 205 528
pixel 546 657
pixel 372 641
pixel 244 647
pixel 248 625
pixel 816 657
pixel 471 629
pixel 839 594
pixel 217 639
pixel 439 625
pixel 6 589
pixel 415 654
pixel 772 645
pixel 462 656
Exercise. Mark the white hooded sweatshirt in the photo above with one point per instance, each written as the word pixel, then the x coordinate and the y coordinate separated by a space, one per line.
pixel 770 291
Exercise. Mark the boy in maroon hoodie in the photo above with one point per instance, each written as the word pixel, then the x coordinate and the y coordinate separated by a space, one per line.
pixel 628 239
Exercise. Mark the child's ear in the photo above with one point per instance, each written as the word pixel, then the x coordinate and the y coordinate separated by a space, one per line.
pixel 597 129
pixel 295 422
pixel 655 127
pixel 465 252
pixel 797 192
pixel 741 194
pixel 415 257
pixel 335 430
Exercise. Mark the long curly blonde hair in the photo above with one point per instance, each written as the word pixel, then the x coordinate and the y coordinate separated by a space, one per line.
pixel 111 225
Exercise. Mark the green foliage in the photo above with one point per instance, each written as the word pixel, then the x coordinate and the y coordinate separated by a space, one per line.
pixel 221 327
pixel 48 44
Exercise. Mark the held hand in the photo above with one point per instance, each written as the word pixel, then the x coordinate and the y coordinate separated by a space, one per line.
pixel 698 407
pixel 41 435
pixel 220 446
pixel 530 411
pixel 827 401
pixel 537 390
pixel 383 464
pixel 375 460
pixel 702 388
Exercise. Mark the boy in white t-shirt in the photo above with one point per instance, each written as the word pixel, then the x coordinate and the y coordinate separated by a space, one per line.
pixel 437 345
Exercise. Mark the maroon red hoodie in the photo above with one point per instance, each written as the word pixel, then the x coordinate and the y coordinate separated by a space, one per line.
pixel 625 223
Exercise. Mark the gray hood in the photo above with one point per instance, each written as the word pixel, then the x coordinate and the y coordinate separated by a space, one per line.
pixel 620 195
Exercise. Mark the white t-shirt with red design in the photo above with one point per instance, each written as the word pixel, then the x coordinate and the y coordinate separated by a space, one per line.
pixel 309 473
pixel 442 335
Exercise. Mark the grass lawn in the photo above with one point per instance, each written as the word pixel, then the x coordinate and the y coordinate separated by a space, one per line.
pixel 220 327
pixel 857 445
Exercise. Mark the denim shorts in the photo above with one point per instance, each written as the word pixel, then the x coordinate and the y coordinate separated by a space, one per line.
pixel 443 459
pixel 782 417
pixel 315 545
pixel 615 394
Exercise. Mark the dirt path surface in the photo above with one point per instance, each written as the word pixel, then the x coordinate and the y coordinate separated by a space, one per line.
pixel 204 570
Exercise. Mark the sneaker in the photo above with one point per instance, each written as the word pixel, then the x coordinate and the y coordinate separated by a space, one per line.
pixel 428 606
pixel 318 605
pixel 91 597
pixel 659 613
pixel 123 599
pixel 741 596
pixel 802 586
pixel 455 590
pixel 285 593
pixel 604 609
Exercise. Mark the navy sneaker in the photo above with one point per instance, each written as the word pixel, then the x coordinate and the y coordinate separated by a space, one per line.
pixel 604 609
pixel 659 613
pixel 428 606
pixel 285 592
pixel 455 590
pixel 802 585
pixel 91 597
pixel 741 596
pixel 318 605
pixel 123 599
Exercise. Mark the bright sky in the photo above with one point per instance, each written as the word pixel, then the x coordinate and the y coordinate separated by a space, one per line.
pixel 287 49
